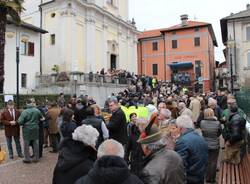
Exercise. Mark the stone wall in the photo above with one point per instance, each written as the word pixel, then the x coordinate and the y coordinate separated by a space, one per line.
pixel 99 91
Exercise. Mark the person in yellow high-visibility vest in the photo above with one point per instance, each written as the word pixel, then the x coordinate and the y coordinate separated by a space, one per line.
pixel 126 112
pixel 154 82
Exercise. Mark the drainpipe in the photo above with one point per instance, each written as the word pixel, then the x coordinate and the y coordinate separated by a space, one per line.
pixel 141 55
pixel 41 26
pixel 165 62
pixel 234 63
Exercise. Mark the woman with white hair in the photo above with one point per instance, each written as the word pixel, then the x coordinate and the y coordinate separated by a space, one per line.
pixel 76 155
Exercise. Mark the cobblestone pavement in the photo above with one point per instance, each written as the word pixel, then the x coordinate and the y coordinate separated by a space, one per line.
pixel 16 172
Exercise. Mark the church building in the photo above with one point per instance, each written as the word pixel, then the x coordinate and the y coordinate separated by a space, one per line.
pixel 84 35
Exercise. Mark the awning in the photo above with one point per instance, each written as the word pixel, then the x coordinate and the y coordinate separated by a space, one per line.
pixel 180 65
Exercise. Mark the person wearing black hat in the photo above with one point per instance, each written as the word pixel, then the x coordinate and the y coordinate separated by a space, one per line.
pixel 162 165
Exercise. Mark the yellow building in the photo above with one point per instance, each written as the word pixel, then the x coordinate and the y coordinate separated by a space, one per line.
pixel 84 35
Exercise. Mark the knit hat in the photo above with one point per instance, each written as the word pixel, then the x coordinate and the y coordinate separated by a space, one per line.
pixel 153 135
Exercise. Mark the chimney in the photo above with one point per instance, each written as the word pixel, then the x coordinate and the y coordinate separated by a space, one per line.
pixel 184 19
pixel 248 6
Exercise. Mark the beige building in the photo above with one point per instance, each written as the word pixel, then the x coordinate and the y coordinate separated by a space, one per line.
pixel 84 35
pixel 236 37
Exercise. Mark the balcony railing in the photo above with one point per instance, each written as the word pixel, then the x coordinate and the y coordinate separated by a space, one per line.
pixel 80 77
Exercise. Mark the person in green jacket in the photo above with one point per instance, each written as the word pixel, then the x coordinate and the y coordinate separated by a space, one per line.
pixel 231 102
pixel 29 120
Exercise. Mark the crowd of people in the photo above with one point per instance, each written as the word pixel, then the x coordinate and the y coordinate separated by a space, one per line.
pixel 151 133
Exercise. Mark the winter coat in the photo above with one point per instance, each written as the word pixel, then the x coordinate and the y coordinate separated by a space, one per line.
pixel 133 152
pixel 194 152
pixel 109 170
pixel 164 167
pixel 195 106
pixel 226 114
pixel 117 127
pixel 10 130
pixel 52 116
pixel 67 128
pixel 74 161
pixel 236 128
pixel 79 115
pixel 30 119
pixel 97 124
pixel 211 131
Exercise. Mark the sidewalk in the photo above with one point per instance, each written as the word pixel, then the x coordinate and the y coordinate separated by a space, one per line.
pixel 15 171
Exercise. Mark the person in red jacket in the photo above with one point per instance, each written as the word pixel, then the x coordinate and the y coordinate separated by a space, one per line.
pixel 12 130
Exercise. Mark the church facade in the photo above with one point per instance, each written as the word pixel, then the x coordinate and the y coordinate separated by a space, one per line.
pixel 84 35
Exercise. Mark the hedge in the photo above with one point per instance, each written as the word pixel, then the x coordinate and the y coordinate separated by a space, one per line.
pixel 39 98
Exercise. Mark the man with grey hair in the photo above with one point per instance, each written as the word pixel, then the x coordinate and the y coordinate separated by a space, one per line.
pixel 117 125
pixel 193 149
pixel 110 166
pixel 183 110
pixel 110 147
pixel 164 117
pixel 212 103
pixel 161 165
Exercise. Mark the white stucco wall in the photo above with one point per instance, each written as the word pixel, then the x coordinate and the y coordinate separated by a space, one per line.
pixel 83 34
pixel 28 64
pixel 237 32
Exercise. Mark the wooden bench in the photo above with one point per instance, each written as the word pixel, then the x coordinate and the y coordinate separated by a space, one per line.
pixel 235 174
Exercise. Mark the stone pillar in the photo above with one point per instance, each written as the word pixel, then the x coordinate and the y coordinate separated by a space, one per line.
pixel 105 59
pixel 90 41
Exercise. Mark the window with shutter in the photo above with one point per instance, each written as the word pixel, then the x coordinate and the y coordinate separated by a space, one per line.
pixel 52 39
pixel 247 33
pixel 24 48
pixel 197 41
pixel 31 49
pixel 174 44
pixel 24 80
pixel 155 45
pixel 155 69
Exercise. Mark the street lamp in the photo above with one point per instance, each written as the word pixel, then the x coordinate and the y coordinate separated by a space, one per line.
pixel 231 45
pixel 17 65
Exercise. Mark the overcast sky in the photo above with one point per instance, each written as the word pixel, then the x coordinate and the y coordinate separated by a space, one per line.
pixel 152 14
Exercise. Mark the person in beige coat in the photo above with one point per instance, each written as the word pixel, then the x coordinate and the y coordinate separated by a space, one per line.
pixel 51 116
pixel 195 107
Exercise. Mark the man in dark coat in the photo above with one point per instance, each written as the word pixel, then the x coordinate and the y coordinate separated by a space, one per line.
pixel 193 149
pixel 117 125
pixel 235 144
pixel 96 123
pixel 11 127
pixel 80 111
pixel 162 166
pixel 110 168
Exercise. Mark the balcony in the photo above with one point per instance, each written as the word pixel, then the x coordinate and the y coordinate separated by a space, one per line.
pixel 65 78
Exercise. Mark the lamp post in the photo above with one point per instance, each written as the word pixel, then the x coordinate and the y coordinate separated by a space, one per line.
pixel 231 45
pixel 17 66
pixel 17 76
pixel 231 73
